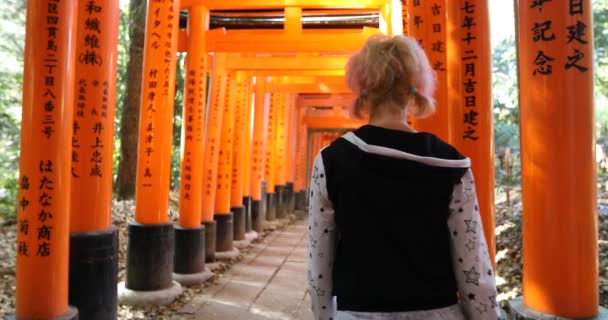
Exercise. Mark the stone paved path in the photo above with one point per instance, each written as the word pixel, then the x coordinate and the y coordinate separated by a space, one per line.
pixel 269 283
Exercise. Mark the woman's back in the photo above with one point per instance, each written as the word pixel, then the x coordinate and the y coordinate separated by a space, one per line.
pixel 395 231
pixel 391 215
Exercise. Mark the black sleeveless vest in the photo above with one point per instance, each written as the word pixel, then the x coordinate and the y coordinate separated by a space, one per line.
pixel 392 240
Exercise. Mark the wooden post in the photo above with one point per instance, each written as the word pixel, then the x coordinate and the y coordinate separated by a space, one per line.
pixel 247 150
pixel 560 255
pixel 281 155
pixel 191 169
pixel 405 16
pixel 238 158
pixel 260 135
pixel 151 238
pixel 429 26
pixel 190 251
pixel 271 153
pixel 45 161
pixel 291 151
pixel 470 99
pixel 93 240
pixel 224 219
pixel 211 153
pixel 300 160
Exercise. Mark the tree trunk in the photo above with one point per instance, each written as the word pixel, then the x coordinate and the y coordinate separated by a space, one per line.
pixel 129 124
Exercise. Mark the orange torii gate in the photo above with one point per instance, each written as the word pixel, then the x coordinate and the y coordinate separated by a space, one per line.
pixel 284 73
pixel 559 192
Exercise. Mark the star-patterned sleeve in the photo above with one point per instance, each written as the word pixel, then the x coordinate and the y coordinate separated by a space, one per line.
pixel 320 244
pixel 471 261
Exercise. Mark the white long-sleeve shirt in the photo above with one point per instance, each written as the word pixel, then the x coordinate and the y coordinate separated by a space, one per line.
pixel 471 262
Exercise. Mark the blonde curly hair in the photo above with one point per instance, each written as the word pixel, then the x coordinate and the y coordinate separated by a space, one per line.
pixel 391 72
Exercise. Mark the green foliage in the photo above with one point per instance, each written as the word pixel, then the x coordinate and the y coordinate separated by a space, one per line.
pixel 177 121
pixel 12 31
pixel 506 111
pixel 121 82
pixel 600 30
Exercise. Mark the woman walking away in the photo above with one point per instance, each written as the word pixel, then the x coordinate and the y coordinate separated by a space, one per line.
pixel 395 231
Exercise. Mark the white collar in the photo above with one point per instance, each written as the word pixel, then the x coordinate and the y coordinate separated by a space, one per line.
pixel 393 153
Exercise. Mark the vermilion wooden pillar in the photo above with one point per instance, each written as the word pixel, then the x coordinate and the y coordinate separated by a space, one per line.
pixel 470 99
pixel 190 251
pixel 405 16
pixel 429 26
pixel 45 161
pixel 560 254
pixel 281 155
pixel 271 158
pixel 238 157
pixel 290 151
pixel 224 218
pixel 258 152
pixel 211 153
pixel 151 237
pixel 300 159
pixel 93 239
pixel 247 150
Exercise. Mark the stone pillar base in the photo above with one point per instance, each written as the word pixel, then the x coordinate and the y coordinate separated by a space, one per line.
pixel 227 255
pixel 147 298
pixel 240 221
pixel 150 253
pixel 251 235
pixel 241 244
pixel 247 204
pixel 291 198
pixel 300 200
pixel 224 232
pixel 271 206
pixel 192 279
pixel 257 215
pixel 189 250
pixel 280 194
pixel 71 314
pixel 210 230
pixel 94 273
pixel 519 311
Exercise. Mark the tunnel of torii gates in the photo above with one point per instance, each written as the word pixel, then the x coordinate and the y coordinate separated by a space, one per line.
pixel 259 103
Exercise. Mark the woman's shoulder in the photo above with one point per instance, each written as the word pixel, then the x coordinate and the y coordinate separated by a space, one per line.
pixel 438 148
pixel 424 144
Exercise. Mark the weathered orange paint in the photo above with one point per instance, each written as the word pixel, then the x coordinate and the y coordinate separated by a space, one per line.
pixel 182 40
pixel 277 41
pixel 431 31
pixel 281 140
pixel 405 17
pixel 260 135
pixel 290 139
pixel 247 137
pixel 280 4
pixel 191 172
pixel 45 160
pixel 293 20
pixel 271 150
pixel 156 114
pixel 332 122
pixel 470 100
pixel 93 127
pixel 560 255
pixel 299 183
pixel 291 62
pixel 224 166
pixel 238 154
pixel 213 130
